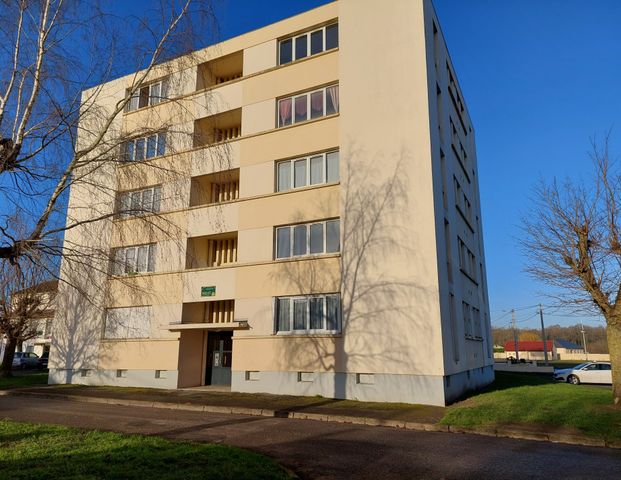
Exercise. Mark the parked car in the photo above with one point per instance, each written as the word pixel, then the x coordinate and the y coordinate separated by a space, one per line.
pixel 25 360
pixel 43 360
pixel 589 372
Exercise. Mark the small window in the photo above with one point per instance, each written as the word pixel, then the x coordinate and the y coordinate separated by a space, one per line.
pixel 301 47
pixel 301 110
pixel 316 170
pixel 286 50
pixel 284 176
pixel 300 173
pixel 316 238
pixel 284 112
pixel 299 240
pixel 333 240
pixel 317 104
pixel 316 42
pixel 332 36
pixel 332 167
pixel 283 242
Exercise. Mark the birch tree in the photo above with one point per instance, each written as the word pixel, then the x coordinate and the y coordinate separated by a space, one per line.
pixel 573 242
pixel 53 52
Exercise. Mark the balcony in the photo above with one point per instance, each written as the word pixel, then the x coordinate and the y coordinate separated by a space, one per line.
pixel 219 70
pixel 222 127
pixel 214 188
pixel 211 251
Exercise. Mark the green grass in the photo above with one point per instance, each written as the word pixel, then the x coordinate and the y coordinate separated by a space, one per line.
pixel 534 400
pixel 23 380
pixel 46 451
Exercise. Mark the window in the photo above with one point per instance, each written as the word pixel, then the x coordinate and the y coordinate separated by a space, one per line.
pixel 308 43
pixel 308 314
pixel 464 207
pixel 308 105
pixel 132 260
pixel 148 95
pixel 131 322
pixel 302 172
pixel 467 319
pixel 467 260
pixel 308 239
pixel 131 204
pixel 476 316
pixel 144 147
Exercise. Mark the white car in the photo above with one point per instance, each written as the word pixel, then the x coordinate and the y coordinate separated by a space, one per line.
pixel 589 372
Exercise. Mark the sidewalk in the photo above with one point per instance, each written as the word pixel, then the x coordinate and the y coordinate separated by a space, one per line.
pixel 397 415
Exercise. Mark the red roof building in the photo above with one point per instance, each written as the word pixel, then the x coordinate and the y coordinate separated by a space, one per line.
pixel 529 346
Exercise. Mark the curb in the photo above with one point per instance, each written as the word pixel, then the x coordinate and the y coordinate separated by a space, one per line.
pixel 500 432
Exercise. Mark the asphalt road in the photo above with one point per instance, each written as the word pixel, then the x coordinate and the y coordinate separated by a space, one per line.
pixel 321 450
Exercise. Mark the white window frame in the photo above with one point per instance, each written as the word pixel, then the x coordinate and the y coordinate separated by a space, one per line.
pixel 119 260
pixel 308 94
pixel 308 245
pixel 160 138
pixel 292 161
pixel 152 99
pixel 125 198
pixel 308 330
pixel 307 34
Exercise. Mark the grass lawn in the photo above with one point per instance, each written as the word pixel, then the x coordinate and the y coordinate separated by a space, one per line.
pixel 23 380
pixel 530 399
pixel 46 451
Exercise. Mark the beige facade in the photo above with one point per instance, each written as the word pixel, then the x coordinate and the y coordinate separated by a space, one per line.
pixel 321 234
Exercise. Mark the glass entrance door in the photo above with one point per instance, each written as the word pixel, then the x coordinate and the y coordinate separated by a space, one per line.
pixel 219 354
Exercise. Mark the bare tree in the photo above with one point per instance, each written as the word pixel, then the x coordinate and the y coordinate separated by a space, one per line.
pixel 56 129
pixel 26 297
pixel 573 242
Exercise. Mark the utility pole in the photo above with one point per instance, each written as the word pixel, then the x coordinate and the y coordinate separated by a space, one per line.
pixel 584 344
pixel 543 335
pixel 515 336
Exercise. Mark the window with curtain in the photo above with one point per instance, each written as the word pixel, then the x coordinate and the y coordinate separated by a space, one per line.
pixel 314 238
pixel 134 259
pixel 308 106
pixel 148 95
pixel 139 202
pixel 309 43
pixel 144 148
pixel 316 169
pixel 308 314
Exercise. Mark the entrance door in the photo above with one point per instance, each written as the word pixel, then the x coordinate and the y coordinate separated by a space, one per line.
pixel 219 352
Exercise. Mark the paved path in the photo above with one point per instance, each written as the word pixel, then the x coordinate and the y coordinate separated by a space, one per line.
pixel 321 450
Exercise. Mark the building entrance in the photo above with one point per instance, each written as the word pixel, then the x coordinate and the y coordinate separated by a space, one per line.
pixel 219 354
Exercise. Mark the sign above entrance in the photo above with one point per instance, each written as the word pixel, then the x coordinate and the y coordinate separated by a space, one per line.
pixel 208 291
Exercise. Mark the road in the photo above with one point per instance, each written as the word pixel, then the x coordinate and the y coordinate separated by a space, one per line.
pixel 321 450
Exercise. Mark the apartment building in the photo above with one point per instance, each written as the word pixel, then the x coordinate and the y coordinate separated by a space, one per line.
pixel 326 214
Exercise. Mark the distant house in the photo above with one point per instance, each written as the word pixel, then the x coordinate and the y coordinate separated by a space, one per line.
pixel 41 343
pixel 533 350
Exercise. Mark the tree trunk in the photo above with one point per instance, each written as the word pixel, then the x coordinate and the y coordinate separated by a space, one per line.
pixel 7 361
pixel 613 333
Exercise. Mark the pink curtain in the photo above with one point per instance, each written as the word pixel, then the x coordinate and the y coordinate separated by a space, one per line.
pixel 317 101
pixel 334 96
pixel 300 106
pixel 284 108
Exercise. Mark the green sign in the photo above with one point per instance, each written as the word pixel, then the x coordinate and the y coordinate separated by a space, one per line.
pixel 208 291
